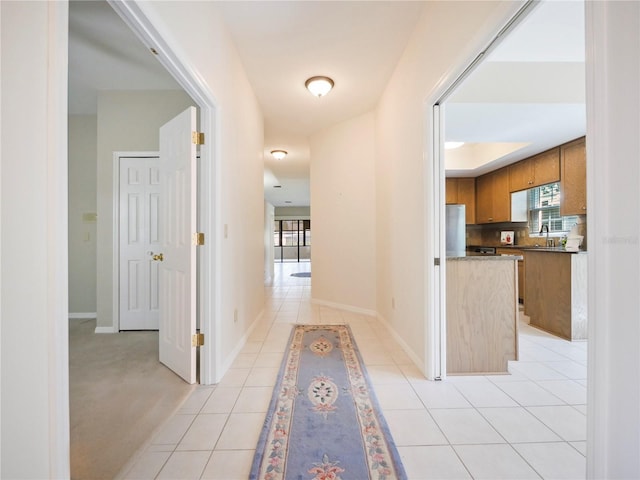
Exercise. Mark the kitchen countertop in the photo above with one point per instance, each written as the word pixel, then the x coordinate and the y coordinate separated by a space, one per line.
pixel 482 256
pixel 539 249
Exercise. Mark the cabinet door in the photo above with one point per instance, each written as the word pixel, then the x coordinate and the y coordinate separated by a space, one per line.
pixel 484 199
pixel 573 185
pixel 546 167
pixel 451 190
pixel 501 196
pixel 467 195
pixel 521 175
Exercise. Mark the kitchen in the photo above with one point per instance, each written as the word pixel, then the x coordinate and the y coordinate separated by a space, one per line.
pixel 518 166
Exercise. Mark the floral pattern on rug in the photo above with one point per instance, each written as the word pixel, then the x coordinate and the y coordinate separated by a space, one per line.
pixel 321 347
pixel 326 470
pixel 323 392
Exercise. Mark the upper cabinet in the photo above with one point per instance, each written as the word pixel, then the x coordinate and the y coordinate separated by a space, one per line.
pixel 493 198
pixel 535 171
pixel 463 191
pixel 573 185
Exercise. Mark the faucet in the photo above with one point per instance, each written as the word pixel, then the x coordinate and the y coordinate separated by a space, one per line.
pixel 544 227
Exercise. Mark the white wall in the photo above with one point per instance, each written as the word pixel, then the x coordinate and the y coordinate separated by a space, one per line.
pixel 613 176
pixel 126 121
pixel 269 218
pixel 82 200
pixel 343 214
pixel 300 213
pixel 196 31
pixel 34 391
pixel 444 38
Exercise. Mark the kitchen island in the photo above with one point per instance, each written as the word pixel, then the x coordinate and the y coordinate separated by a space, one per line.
pixel 482 313
pixel 556 283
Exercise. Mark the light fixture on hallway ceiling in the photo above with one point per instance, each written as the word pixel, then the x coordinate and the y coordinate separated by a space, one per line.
pixel 452 145
pixel 279 154
pixel 319 86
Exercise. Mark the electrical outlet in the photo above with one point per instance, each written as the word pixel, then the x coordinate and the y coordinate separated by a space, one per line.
pixel 235 315
pixel 226 230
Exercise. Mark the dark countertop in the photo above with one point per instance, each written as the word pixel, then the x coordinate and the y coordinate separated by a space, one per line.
pixel 533 248
pixel 481 256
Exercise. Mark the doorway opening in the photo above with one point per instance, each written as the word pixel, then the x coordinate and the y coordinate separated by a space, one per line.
pixel 467 101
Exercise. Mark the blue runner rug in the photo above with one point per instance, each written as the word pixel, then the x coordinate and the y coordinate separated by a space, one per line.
pixel 324 422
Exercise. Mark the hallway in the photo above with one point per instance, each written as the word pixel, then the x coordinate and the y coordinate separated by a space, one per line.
pixel 530 424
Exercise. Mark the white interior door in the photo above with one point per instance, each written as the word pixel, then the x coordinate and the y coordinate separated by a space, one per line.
pixel 178 261
pixel 139 240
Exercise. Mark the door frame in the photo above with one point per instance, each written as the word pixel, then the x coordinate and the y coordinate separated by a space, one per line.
pixel 209 204
pixel 116 230
pixel 435 270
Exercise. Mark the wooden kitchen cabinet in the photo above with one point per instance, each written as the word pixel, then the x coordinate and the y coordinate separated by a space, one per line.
pixel 573 182
pixel 521 267
pixel 493 198
pixel 556 283
pixel 535 171
pixel 482 314
pixel 451 190
pixel 462 191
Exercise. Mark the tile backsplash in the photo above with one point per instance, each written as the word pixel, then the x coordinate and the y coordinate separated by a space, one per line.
pixel 489 235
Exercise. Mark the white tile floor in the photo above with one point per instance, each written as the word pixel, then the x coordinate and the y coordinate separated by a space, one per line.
pixel 530 424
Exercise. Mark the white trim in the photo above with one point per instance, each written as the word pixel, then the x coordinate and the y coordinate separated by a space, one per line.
pixel 105 330
pixel 115 228
pixel 57 241
pixel 83 316
pixel 241 343
pixel 435 354
pixel 596 424
pixel 405 346
pixel 133 14
pixel 346 308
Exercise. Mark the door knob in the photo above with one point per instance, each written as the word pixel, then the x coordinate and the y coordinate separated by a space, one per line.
pixel 158 257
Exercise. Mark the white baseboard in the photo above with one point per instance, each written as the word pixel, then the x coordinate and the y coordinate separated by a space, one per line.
pixel 240 345
pixel 83 316
pixel 347 308
pixel 105 330
pixel 408 350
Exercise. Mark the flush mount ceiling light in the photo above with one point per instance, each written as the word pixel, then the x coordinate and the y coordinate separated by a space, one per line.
pixel 279 154
pixel 452 145
pixel 319 86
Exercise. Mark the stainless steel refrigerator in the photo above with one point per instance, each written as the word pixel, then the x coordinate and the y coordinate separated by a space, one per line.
pixel 455 230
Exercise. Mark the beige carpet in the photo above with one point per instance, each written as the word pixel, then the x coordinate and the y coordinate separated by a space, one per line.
pixel 119 395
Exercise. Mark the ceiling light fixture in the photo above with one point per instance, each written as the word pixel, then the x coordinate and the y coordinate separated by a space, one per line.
pixel 452 145
pixel 319 86
pixel 279 154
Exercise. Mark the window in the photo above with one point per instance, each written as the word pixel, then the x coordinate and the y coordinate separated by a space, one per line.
pixel 292 240
pixel 543 204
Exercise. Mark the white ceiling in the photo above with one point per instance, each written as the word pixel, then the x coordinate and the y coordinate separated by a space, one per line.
pixel 358 44
pixel 104 54
pixel 529 92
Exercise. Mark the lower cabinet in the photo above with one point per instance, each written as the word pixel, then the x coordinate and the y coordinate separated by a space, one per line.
pixel 521 274
pixel 557 293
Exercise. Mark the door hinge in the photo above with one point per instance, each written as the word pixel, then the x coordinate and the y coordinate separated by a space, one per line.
pixel 198 238
pixel 197 340
pixel 197 138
